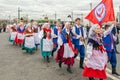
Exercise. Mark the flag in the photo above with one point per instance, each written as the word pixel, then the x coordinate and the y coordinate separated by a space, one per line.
pixel 103 12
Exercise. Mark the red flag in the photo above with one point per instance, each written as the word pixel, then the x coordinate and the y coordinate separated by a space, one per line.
pixel 103 12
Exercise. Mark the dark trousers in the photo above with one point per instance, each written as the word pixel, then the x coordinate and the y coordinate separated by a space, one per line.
pixel 112 58
pixel 81 50
pixel 0 30
pixel 4 29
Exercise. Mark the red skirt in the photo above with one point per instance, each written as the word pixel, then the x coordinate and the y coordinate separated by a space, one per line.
pixel 18 41
pixel 59 57
pixel 89 72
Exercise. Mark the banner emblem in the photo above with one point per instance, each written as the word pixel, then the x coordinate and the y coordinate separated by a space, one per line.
pixel 100 12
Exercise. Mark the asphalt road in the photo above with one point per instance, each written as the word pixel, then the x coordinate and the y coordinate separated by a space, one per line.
pixel 16 64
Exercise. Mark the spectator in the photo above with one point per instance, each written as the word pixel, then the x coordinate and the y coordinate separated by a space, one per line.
pixel 4 27
pixel 115 31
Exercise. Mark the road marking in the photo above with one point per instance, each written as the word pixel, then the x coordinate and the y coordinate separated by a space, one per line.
pixel 108 72
pixel 112 77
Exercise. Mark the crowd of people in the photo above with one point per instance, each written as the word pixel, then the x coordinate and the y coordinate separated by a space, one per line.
pixel 68 42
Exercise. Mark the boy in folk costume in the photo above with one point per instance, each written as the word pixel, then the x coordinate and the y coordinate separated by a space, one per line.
pixel 95 66
pixel 108 41
pixel 65 52
pixel 78 41
pixel 55 32
pixel 29 43
pixel 20 36
pixel 35 28
pixel 13 33
pixel 46 45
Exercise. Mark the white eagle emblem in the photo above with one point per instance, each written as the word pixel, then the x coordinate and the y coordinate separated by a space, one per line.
pixel 100 12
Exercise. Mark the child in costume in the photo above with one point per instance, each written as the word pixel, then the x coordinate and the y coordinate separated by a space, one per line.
pixel 20 34
pixel 46 44
pixel 55 33
pixel 36 38
pixel 13 33
pixel 29 43
pixel 95 66
pixel 65 52
pixel 109 44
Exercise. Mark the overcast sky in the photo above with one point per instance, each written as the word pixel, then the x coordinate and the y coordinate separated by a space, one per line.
pixel 37 8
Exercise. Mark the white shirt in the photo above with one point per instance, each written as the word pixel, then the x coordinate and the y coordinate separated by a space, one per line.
pixel 68 31
pixel 108 31
pixel 54 35
pixel 80 35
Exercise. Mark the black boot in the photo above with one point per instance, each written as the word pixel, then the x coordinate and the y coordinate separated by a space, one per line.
pixel 81 63
pixel 48 59
pixel 27 51
pixel 36 48
pixel 69 69
pixel 31 53
pixel 52 53
pixel 44 57
pixel 60 64
pixel 91 79
pixel 117 52
pixel 13 43
pixel 114 71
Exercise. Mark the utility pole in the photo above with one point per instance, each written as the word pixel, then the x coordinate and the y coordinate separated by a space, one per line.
pixel 19 10
pixel 119 15
pixel 9 19
pixel 72 16
pixel 90 9
pixel 91 6
pixel 55 16
pixel 82 16
pixel 27 17
pixel 119 8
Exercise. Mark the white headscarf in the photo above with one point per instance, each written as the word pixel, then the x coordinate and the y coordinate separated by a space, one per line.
pixel 29 24
pixel 91 32
pixel 11 26
pixel 44 25
pixel 67 23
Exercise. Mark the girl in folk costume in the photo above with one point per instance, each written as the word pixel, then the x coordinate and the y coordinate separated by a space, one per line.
pixel 29 43
pixel 35 28
pixel 95 66
pixel 55 32
pixel 20 36
pixel 46 44
pixel 13 33
pixel 65 48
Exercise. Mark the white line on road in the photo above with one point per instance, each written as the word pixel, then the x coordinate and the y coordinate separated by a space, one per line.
pixel 112 77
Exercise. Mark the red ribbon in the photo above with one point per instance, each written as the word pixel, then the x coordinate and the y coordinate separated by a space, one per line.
pixel 70 44
pixel 47 30
pixel 102 48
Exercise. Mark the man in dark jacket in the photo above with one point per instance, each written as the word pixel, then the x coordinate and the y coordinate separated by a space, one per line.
pixel 115 31
pixel 4 27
